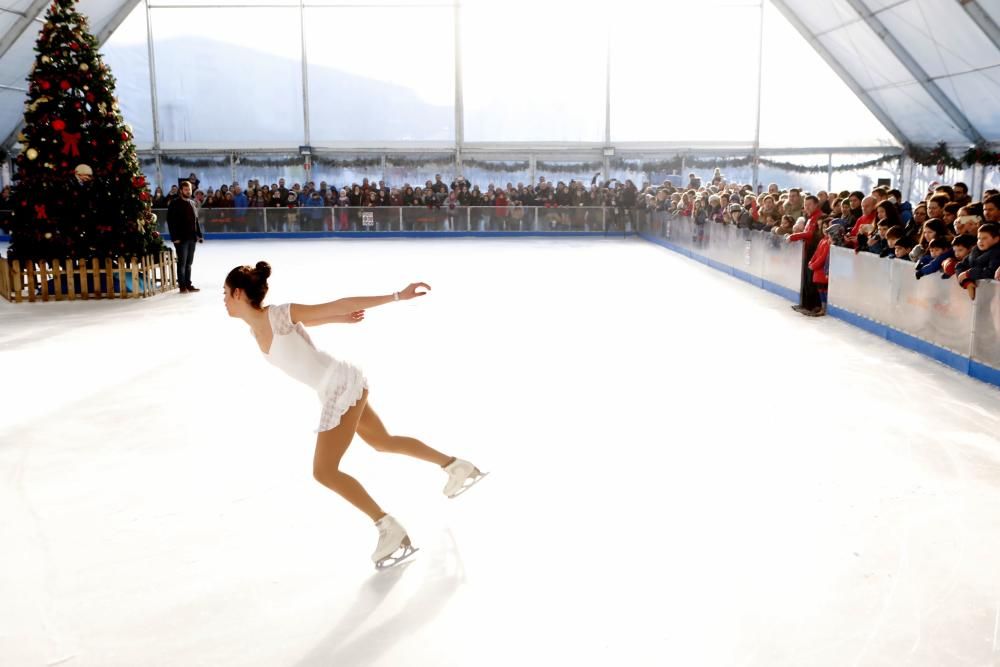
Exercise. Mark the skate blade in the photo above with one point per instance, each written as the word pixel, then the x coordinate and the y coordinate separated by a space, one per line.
pixel 392 561
pixel 469 485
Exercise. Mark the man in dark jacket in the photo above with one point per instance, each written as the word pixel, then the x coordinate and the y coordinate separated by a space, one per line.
pixel 185 232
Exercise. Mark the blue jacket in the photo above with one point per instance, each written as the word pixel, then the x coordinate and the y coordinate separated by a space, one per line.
pixel 906 212
pixel 241 201
pixel 927 265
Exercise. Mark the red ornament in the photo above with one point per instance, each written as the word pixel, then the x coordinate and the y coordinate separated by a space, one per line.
pixel 40 212
pixel 45 85
pixel 71 143
pixel 138 181
pixel 64 84
pixel 90 97
pixel 144 196
pixel 124 136
pixel 74 46
pixel 58 125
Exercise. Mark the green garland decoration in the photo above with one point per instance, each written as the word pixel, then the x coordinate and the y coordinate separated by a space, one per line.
pixel 975 155
pixel 497 166
pixel 568 167
pixel 940 155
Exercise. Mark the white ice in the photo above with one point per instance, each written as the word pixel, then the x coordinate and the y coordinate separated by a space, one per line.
pixel 684 472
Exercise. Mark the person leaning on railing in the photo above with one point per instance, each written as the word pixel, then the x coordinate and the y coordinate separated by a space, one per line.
pixel 984 264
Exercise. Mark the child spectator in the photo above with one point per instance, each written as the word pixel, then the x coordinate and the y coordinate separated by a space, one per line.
pixel 902 247
pixel 820 263
pixel 939 251
pixel 986 264
pixel 961 247
pixel 892 236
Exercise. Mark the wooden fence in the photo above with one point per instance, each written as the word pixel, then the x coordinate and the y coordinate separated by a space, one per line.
pixel 71 279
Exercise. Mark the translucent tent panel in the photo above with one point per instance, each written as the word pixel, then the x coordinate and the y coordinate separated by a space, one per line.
pixel 11 107
pixel 229 76
pixel 15 65
pixel 928 30
pixel 822 17
pixel 648 103
pixel 18 5
pixel 978 95
pixel 916 114
pixel 866 56
pixel 210 175
pixel 992 8
pixel 362 88
pixel 267 172
pixel 7 19
pixel 399 169
pixel 496 171
pixel 828 114
pixel 127 54
pixel 532 72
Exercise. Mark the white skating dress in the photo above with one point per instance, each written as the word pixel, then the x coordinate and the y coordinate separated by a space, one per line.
pixel 339 385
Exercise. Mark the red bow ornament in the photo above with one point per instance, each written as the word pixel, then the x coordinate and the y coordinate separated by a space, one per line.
pixel 71 143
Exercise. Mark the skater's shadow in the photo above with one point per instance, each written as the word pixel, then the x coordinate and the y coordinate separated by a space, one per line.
pixel 442 579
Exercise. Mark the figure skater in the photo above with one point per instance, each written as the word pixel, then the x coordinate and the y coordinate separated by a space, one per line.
pixel 343 393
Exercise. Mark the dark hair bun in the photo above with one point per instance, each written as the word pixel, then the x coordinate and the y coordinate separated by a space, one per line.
pixel 264 270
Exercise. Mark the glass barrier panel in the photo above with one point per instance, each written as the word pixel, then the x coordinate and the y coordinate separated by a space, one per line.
pixel 986 341
pixel 935 310
pixel 782 262
pixel 860 283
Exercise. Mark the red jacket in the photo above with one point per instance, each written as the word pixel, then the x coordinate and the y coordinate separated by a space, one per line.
pixel 819 260
pixel 811 227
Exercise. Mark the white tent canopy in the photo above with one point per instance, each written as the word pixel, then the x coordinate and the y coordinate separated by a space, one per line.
pixel 424 76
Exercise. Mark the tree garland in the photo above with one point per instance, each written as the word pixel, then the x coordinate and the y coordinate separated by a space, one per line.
pixel 980 155
pixel 497 165
pixel 940 156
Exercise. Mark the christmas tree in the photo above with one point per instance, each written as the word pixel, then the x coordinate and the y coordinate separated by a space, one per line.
pixel 78 189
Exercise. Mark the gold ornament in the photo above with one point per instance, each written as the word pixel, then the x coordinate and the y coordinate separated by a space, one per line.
pixel 48 235
pixel 31 153
pixel 84 67
pixel 21 137
pixel 46 59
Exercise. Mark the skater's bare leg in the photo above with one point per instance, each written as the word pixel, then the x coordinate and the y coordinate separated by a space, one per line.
pixel 330 448
pixel 372 431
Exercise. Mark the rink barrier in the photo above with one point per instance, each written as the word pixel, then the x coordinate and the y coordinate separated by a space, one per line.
pixel 930 316
pixel 91 278
pixel 418 220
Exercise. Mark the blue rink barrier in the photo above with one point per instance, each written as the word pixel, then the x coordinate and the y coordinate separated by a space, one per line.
pixel 931 316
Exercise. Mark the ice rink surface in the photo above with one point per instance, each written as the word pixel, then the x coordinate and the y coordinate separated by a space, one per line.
pixel 684 472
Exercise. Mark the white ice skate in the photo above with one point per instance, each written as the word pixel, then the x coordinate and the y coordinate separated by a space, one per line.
pixel 462 475
pixel 393 544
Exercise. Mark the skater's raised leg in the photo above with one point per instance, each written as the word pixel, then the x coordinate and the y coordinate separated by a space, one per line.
pixel 372 431
pixel 461 474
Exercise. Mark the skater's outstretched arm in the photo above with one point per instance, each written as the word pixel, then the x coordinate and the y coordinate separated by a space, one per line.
pixel 347 318
pixel 312 315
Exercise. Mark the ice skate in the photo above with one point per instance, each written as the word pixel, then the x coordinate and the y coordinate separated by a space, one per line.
pixel 462 475
pixel 393 544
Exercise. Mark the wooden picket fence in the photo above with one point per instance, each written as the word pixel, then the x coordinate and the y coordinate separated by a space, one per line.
pixel 72 279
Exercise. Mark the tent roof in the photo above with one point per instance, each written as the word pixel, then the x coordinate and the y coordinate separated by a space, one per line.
pixel 929 70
